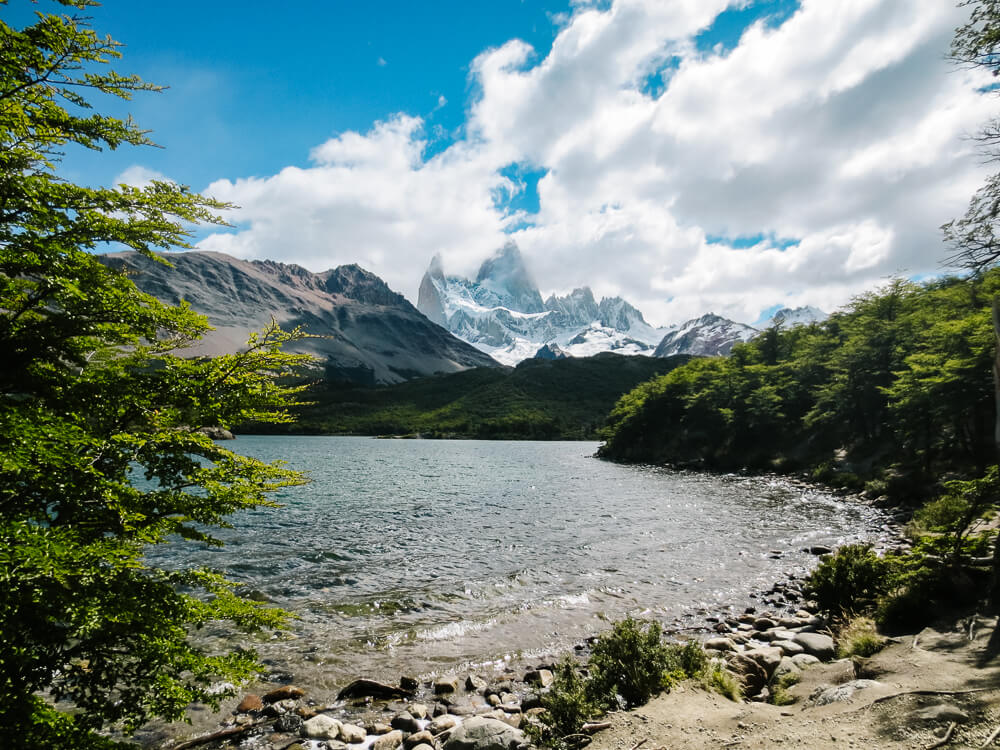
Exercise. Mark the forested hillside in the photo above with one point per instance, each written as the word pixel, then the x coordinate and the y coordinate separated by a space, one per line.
pixel 894 389
pixel 539 399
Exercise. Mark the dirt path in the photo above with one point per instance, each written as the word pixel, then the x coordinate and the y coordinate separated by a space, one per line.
pixel 886 714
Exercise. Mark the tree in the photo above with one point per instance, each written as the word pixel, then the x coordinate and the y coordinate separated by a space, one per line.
pixel 100 449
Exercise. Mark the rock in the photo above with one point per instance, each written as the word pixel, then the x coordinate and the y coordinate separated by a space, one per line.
pixel 778 634
pixel 481 733
pixel 351 733
pixel 447 684
pixel 283 693
pixel 372 689
pixel 243 720
pixel 768 657
pixel 250 703
pixel 378 728
pixel 422 737
pixel 406 722
pixel 804 660
pixel 442 723
pixel 389 741
pixel 819 549
pixel 719 644
pixel 217 433
pixel 539 678
pixel 942 712
pixel 513 720
pixel 530 701
pixel 321 727
pixel 290 723
pixel 764 623
pixel 493 699
pixel 819 645
pixel 721 628
pixel 787 666
pixel 788 648
pixel 826 694
pixel 507 699
pixel 475 683
pixel 419 710
pixel 409 684
pixel 423 747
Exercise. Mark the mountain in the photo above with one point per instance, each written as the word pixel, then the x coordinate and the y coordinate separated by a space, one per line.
pixel 502 313
pixel 709 335
pixel 788 316
pixel 368 333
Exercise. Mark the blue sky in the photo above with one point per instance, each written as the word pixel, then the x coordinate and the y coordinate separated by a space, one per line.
pixel 691 157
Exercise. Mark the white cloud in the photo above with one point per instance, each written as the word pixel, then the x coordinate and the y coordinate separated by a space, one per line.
pixel 843 128
pixel 139 176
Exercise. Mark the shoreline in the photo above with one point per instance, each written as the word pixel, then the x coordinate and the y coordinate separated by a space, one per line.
pixel 477 688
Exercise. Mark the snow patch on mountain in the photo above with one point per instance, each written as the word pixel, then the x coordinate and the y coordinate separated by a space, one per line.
pixel 787 317
pixel 502 313
pixel 709 335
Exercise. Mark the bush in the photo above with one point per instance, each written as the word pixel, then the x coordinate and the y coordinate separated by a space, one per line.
pixel 567 707
pixel 779 689
pixel 860 638
pixel 852 580
pixel 723 682
pixel 630 664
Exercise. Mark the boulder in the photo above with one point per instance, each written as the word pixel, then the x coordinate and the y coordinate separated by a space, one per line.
pixel 804 660
pixel 481 733
pixel 419 738
pixel 388 741
pixel 788 648
pixel 443 723
pixel 283 693
pixel 351 733
pixel 475 683
pixel 719 644
pixel 539 677
pixel 764 623
pixel 406 722
pixel 371 689
pixel 321 727
pixel 419 710
pixel 250 703
pixel 819 645
pixel 826 694
pixel 447 684
pixel 290 723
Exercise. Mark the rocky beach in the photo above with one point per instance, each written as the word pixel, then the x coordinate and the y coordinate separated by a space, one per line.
pixel 779 633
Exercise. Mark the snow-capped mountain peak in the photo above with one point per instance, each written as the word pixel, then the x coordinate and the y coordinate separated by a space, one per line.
pixel 788 317
pixel 709 335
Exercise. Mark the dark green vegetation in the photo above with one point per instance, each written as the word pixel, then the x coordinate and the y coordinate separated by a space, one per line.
pixel 540 399
pixel 629 665
pixel 893 391
pixel 91 636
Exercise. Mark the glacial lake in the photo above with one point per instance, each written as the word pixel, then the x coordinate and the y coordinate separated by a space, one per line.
pixel 417 557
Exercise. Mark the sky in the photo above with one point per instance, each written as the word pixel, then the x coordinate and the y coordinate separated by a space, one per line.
pixel 689 155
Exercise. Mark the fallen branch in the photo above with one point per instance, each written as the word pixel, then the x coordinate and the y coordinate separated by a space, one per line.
pixel 946 739
pixel 220 735
pixel 989 740
pixel 596 726
pixel 928 692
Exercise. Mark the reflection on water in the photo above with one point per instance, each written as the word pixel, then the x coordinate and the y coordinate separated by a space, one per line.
pixel 408 555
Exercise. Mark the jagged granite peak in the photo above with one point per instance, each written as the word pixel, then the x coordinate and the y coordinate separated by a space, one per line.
pixel 614 312
pixel 365 332
pixel 797 316
pixel 505 276
pixel 551 351
pixel 502 314
pixel 709 335
pixel 579 306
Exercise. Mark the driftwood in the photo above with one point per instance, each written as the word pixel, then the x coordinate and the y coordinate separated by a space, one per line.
pixel 639 744
pixel 991 738
pixel 370 688
pixel 220 735
pixel 596 726
pixel 946 739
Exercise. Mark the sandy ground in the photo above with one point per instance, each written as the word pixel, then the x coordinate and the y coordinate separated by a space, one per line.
pixel 886 715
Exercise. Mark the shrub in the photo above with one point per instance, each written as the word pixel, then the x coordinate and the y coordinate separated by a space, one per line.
pixel 852 580
pixel 630 664
pixel 860 638
pixel 725 683
pixel 779 689
pixel 567 707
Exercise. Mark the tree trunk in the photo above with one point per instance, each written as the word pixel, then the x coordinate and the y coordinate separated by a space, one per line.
pixel 994 599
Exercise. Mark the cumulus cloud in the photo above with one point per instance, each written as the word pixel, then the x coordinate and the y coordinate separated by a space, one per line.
pixel 843 128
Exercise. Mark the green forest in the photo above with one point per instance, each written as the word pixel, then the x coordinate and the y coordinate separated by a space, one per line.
pixel 895 390
pixel 565 399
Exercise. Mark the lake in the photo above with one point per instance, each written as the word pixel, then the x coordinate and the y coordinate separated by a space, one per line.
pixel 416 556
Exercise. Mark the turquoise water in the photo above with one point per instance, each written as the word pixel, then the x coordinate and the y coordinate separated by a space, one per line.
pixel 411 556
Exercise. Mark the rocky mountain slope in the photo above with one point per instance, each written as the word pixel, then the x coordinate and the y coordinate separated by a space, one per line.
pixel 709 335
pixel 787 317
pixel 369 333
pixel 501 312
